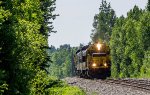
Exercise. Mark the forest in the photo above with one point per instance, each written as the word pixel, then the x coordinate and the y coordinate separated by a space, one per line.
pixel 62 59
pixel 28 66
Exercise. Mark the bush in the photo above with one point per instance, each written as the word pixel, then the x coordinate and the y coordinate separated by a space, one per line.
pixel 68 90
pixel 145 69
pixel 46 85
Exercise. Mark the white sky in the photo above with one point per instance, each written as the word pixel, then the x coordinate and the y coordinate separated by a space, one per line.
pixel 74 24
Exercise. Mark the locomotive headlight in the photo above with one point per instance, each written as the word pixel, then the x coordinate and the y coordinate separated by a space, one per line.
pixel 105 64
pixel 98 46
pixel 94 65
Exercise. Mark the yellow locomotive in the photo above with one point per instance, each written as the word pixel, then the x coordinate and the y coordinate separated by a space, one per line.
pixel 93 61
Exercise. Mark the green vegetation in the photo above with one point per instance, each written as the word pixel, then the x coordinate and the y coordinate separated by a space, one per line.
pixel 130 40
pixel 103 23
pixel 27 63
pixel 129 43
pixel 62 59
pixel 24 29
pixel 66 91
pixel 148 5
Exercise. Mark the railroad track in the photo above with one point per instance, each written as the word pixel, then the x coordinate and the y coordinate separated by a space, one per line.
pixel 139 84
pixel 126 86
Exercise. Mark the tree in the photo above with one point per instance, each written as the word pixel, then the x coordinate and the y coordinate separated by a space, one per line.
pixel 4 15
pixel 145 69
pixel 135 13
pixel 130 44
pixel 103 22
pixel 117 45
pixel 23 43
pixel 61 65
pixel 144 32
pixel 132 48
pixel 25 26
pixel 148 5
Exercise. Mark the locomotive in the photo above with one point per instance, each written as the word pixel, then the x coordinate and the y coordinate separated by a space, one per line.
pixel 93 61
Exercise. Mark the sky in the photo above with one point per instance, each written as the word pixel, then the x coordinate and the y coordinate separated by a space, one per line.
pixel 74 24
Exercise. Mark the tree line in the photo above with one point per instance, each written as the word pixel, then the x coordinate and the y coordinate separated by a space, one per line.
pixel 62 61
pixel 128 38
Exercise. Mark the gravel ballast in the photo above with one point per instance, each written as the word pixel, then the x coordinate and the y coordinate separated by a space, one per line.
pixel 94 87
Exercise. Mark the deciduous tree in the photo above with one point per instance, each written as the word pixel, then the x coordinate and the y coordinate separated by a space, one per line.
pixel 103 23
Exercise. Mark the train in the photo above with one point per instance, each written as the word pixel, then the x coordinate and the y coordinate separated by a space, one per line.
pixel 93 61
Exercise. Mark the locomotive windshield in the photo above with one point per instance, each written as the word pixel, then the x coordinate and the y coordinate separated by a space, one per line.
pixel 98 54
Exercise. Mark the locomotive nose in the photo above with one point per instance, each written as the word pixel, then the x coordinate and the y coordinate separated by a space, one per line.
pixel 99 63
